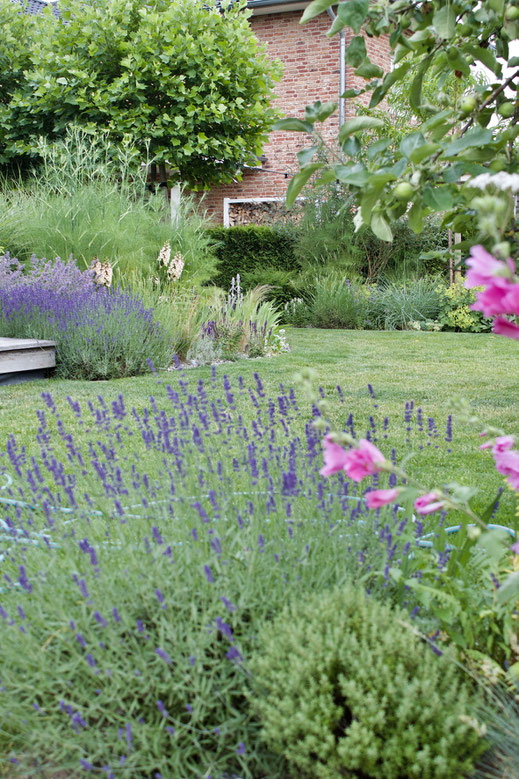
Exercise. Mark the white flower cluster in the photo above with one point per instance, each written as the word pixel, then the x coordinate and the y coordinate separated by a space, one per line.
pixel 174 267
pixel 502 181
pixel 102 272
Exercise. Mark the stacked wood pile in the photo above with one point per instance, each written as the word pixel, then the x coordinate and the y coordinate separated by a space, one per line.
pixel 261 213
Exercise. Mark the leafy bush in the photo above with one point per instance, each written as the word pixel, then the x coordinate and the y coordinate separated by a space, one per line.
pixel 455 312
pixel 89 199
pixel 243 323
pixel 334 301
pixel 280 283
pixel 393 306
pixel 250 249
pixel 99 333
pixel 96 70
pixel 342 688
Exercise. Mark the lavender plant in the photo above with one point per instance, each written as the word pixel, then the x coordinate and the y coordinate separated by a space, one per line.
pixel 99 333
pixel 140 551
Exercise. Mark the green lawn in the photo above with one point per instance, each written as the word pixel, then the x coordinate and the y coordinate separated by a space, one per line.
pixel 428 368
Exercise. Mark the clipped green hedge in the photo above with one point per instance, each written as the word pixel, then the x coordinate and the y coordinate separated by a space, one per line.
pixel 250 248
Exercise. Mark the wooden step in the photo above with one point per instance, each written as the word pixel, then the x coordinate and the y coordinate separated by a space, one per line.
pixel 24 358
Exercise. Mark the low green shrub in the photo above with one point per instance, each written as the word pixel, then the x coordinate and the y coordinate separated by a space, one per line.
pixel 455 312
pixel 343 688
pixel 337 302
pixel 281 283
pixel 251 249
pixel 393 306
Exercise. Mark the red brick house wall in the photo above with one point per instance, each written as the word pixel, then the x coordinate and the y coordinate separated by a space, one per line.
pixel 311 72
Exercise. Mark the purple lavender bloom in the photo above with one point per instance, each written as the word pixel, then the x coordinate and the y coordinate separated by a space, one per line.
pixel 233 654
pixel 161 653
pixel 228 605
pixel 102 621
pixel 169 729
pixel 115 615
pixel 225 629
pixel 209 574
pixel 240 750
pixel 86 765
pixel 160 596
pixel 162 709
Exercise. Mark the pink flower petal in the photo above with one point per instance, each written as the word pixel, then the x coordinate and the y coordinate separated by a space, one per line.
pixel 375 499
pixel 505 327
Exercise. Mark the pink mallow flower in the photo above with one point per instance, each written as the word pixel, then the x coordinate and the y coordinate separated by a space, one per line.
pixel 507 463
pixel 496 298
pixel 503 326
pixel 334 457
pixel 501 444
pixel 375 499
pixel 483 268
pixel 428 503
pixel 363 460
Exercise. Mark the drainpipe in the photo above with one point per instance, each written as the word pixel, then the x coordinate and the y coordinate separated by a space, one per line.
pixel 342 70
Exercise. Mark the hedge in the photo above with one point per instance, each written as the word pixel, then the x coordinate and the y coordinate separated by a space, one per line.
pixel 250 248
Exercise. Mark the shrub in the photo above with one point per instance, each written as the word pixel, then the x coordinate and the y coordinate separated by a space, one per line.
pixel 344 689
pixel 337 302
pixel 455 311
pixel 99 333
pixel 393 306
pixel 250 249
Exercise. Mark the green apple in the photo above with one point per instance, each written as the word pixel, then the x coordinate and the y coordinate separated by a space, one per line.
pixel 512 13
pixel 506 110
pixel 468 104
pixel 403 191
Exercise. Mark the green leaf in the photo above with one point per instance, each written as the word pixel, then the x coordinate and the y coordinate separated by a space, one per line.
pixel 298 181
pixel 295 125
pixel 423 152
pixel 357 123
pixel 475 137
pixel 509 589
pixel 351 146
pixel 369 70
pixel 380 227
pixel 415 218
pixel 356 51
pixel 305 155
pixel 487 57
pixel 415 92
pixel 487 514
pixel 377 148
pixel 444 21
pixel 439 199
pixel 350 13
pixel 315 8
pixel 327 177
pixel 357 174
pixel 349 93
pixel 319 112
pixel 391 78
pixel 410 143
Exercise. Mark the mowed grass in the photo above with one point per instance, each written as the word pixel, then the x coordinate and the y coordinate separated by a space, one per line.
pixel 428 368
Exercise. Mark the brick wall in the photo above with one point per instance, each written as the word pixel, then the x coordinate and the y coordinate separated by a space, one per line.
pixel 311 72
